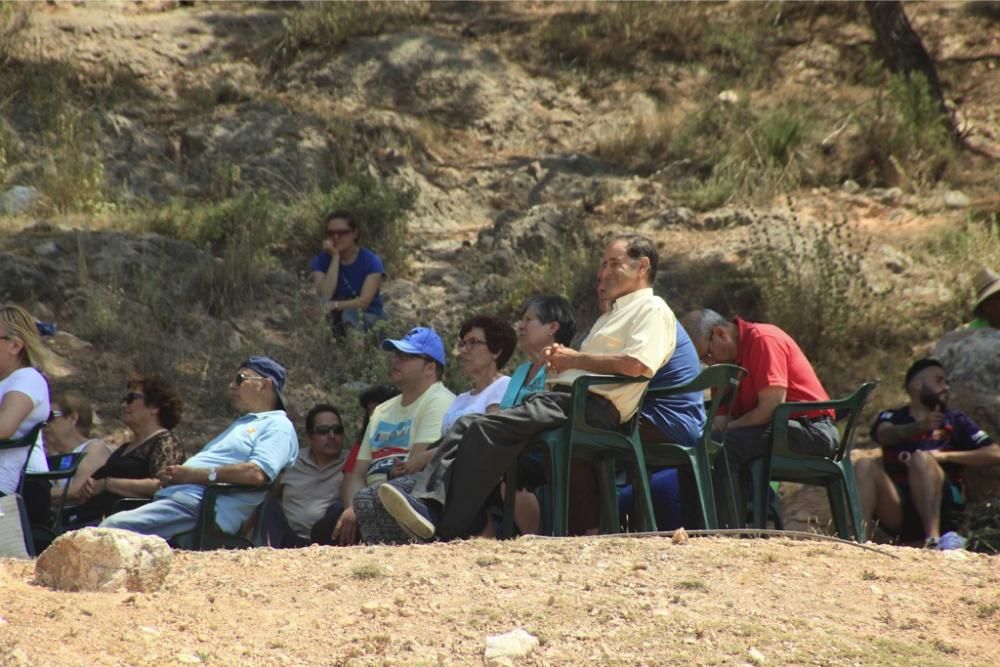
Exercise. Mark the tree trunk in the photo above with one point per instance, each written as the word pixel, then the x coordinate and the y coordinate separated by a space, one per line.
pixel 901 48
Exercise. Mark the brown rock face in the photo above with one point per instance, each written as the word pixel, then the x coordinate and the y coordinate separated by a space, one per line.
pixel 104 559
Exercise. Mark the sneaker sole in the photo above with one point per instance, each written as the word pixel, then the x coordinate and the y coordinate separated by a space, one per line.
pixel 399 508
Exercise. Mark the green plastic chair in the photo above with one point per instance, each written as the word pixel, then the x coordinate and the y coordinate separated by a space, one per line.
pixel 25 516
pixel 61 467
pixel 207 535
pixel 723 380
pixel 835 473
pixel 577 438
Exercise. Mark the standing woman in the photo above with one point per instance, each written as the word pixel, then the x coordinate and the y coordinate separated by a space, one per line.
pixel 24 401
pixel 347 277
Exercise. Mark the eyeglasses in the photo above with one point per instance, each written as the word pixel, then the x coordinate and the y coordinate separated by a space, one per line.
pixel 56 414
pixel 337 429
pixel 132 396
pixel 708 352
pixel 469 344
pixel 242 377
pixel 337 233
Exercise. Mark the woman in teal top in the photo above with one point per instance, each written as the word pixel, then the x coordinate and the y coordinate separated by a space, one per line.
pixel 544 320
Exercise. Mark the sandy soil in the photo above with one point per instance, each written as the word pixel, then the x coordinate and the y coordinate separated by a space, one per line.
pixel 589 601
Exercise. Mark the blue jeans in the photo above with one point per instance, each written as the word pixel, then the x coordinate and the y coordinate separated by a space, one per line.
pixel 166 517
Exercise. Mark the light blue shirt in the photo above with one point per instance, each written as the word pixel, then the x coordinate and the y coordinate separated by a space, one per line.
pixel 267 439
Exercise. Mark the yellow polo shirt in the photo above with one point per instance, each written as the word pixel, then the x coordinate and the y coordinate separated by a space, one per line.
pixel 638 325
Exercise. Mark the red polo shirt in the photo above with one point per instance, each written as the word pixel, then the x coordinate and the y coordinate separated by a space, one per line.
pixel 773 359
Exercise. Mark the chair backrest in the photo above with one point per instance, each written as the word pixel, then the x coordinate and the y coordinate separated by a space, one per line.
pixel 848 411
pixel 723 380
pixel 28 440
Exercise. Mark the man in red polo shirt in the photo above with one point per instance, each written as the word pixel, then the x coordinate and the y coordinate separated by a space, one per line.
pixel 777 371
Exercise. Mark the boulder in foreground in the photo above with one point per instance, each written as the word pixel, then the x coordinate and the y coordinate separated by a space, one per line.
pixel 104 559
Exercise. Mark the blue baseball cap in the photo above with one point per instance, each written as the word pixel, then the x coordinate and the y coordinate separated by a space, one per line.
pixel 272 370
pixel 418 340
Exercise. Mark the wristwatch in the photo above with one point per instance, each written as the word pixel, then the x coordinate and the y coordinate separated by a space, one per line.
pixel 213 475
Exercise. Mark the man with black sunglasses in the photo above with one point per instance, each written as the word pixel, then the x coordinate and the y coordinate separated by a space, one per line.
pixel 252 451
pixel 305 501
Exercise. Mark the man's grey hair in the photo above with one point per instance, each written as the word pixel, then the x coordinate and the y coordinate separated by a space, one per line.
pixel 700 323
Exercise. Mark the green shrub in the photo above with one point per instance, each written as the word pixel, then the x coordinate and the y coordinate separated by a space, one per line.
pixel 73 174
pixel 326 26
pixel 733 152
pixel 14 19
pixel 812 283
pixel 905 127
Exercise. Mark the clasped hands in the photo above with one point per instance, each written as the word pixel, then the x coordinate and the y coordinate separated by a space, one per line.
pixel 559 358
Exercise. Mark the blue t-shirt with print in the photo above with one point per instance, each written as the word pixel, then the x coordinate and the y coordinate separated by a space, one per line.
pixel 681 417
pixel 352 276
pixel 957 431
pixel 267 439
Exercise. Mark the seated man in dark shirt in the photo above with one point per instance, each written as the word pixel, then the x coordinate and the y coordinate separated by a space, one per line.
pixel 916 489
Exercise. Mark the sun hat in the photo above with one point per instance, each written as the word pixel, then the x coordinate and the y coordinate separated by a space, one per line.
pixel 987 284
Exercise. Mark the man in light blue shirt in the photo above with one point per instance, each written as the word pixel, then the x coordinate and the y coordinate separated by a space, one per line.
pixel 252 451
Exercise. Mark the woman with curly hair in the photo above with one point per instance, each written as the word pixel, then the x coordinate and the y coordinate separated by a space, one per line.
pixel 150 408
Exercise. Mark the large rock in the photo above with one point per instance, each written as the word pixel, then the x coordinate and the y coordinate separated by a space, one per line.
pixel 972 359
pixel 104 559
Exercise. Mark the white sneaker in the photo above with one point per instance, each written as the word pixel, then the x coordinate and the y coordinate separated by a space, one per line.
pixel 951 540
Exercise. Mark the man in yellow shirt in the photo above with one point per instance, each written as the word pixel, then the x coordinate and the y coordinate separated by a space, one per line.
pixel 635 337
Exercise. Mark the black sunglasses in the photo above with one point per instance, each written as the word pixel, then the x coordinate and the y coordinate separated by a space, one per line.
pixel 323 430
pixel 132 396
pixel 241 378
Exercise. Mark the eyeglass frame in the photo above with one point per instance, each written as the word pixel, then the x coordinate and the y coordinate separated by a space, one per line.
pixel 131 397
pixel 468 344
pixel 240 378
pixel 708 353
pixel 327 429
pixel 337 233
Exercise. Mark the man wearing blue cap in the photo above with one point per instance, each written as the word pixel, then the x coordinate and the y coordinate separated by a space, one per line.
pixel 252 451
pixel 400 429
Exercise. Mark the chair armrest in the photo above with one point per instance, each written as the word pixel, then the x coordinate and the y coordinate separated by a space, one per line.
pixel 581 387
pixel 25 440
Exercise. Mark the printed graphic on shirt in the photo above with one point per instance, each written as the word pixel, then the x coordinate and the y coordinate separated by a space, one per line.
pixel 391 438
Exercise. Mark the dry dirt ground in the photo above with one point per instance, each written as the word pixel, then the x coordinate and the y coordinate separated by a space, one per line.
pixel 590 601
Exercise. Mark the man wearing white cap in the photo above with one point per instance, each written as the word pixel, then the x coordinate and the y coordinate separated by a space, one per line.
pixel 987 307
pixel 252 451
pixel 400 429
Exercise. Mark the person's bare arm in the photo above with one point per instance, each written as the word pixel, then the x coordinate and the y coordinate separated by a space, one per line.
pixel 893 434
pixel 768 399
pixel 245 474
pixel 984 456
pixel 370 288
pixel 419 457
pixel 96 456
pixel 129 488
pixel 14 409
pixel 560 358
pixel 346 530
pixel 325 284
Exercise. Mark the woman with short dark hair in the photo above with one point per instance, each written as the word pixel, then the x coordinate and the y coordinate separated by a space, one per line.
pixel 485 345
pixel 150 408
